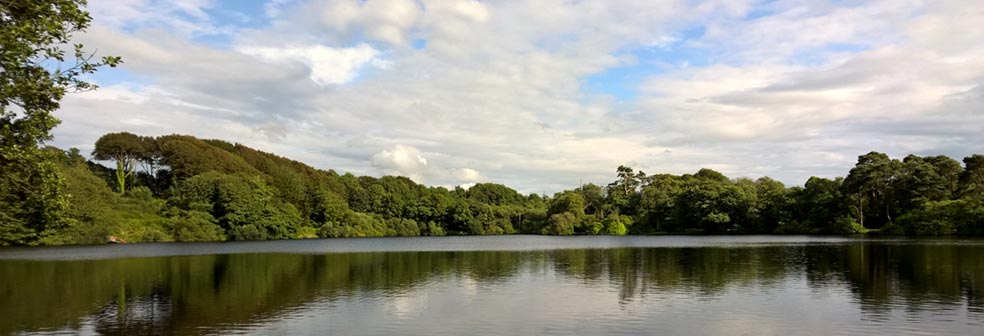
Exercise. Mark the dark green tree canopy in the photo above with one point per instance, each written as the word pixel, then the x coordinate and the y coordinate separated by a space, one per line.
pixel 126 149
pixel 873 181
pixel 495 194
pixel 710 174
pixel 120 146
pixel 972 178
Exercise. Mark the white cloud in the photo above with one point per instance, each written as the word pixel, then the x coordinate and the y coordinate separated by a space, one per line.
pixel 467 174
pixel 401 160
pixel 183 17
pixel 116 93
pixel 274 8
pixel 498 93
pixel 410 162
pixel 328 65
pixel 383 20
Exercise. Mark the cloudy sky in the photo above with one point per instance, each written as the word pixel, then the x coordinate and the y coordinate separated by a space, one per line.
pixel 541 95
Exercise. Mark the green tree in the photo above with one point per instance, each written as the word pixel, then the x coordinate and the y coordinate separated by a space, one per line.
pixel 658 202
pixel 594 199
pixel 126 149
pixel 242 205
pixel 192 225
pixel 188 156
pixel 493 194
pixel 154 174
pixel 33 79
pixel 925 180
pixel 327 207
pixel 715 205
pixel 964 217
pixel 949 171
pixel 623 193
pixel 711 174
pixel 873 182
pixel 616 225
pixel 91 202
pixel 772 209
pixel 561 224
pixel 818 207
pixel 972 178
pixel 568 201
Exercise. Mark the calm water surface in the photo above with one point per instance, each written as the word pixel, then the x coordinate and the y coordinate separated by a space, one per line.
pixel 516 285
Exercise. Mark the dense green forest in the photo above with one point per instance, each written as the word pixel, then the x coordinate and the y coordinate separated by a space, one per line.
pixel 181 188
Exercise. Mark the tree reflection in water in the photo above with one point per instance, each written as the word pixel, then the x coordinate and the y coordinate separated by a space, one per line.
pixel 215 293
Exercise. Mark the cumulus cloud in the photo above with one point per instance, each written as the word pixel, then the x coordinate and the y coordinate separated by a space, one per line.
pixel 459 91
pixel 401 160
pixel 467 174
pixel 328 65
pixel 410 162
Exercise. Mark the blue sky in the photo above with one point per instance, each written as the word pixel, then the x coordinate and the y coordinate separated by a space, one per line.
pixel 622 82
pixel 541 95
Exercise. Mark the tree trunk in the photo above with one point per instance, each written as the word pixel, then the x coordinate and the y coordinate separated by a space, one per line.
pixel 861 209
pixel 121 176
pixel 888 214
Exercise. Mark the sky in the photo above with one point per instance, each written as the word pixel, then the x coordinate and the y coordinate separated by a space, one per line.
pixel 543 95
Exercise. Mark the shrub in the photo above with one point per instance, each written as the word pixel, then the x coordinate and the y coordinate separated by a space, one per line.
pixel 195 226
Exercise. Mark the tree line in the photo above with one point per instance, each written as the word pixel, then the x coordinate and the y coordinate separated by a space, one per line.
pixel 181 188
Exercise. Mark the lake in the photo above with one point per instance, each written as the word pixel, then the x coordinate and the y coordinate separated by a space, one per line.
pixel 501 285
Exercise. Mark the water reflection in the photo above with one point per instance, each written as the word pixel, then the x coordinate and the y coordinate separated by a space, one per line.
pixel 911 287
